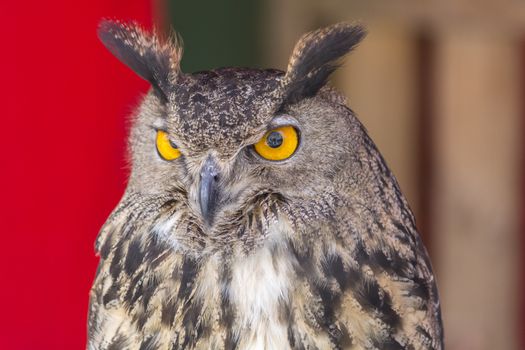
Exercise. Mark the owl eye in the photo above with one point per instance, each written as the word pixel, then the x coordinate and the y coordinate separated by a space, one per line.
pixel 278 144
pixel 166 149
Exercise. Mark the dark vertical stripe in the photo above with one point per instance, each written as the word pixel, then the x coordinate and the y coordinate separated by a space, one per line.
pixel 425 86
pixel 521 327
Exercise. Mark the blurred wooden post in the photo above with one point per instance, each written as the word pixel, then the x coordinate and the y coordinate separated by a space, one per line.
pixel 476 218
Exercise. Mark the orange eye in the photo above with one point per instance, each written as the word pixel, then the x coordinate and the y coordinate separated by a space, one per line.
pixel 166 149
pixel 278 144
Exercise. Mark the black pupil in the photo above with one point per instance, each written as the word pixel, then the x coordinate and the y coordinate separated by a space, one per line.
pixel 275 139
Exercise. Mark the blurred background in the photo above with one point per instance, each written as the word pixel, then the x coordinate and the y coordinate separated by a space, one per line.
pixel 438 84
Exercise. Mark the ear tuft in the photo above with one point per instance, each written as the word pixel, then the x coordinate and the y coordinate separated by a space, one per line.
pixel 153 58
pixel 316 56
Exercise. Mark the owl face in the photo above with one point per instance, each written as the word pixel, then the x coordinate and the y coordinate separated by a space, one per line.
pixel 220 139
pixel 226 155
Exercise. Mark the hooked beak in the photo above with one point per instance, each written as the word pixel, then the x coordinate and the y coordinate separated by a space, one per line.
pixel 209 190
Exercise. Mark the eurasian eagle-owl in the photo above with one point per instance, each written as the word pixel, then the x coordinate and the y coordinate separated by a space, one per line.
pixel 258 214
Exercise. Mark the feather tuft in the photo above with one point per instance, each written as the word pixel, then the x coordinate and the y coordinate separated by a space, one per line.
pixel 316 56
pixel 152 56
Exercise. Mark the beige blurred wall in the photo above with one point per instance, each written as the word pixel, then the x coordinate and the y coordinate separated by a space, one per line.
pixel 476 137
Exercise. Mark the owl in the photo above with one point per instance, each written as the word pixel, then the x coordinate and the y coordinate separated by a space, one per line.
pixel 258 213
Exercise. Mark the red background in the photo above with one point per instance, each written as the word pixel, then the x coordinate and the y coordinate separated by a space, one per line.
pixel 65 103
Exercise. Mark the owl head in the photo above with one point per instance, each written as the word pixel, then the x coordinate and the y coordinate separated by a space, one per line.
pixel 225 141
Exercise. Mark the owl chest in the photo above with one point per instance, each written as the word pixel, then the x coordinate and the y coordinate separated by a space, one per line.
pixel 259 292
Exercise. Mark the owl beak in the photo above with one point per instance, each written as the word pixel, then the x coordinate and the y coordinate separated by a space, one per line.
pixel 209 190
